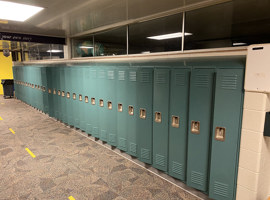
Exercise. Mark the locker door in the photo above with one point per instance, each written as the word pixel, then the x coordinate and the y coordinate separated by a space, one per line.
pixel 122 107
pixel 179 97
pixel 68 96
pixel 160 118
pixel 102 84
pixel 200 116
pixel 50 90
pixel 132 114
pixel 145 110
pixel 75 96
pixel 81 89
pixel 87 101
pixel 226 133
pixel 45 89
pixel 63 94
pixel 94 102
pixel 111 107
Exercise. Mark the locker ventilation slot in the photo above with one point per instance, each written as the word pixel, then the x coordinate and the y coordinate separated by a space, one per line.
pixel 221 189
pixel 145 154
pixel 180 79
pixel 161 78
pixel 197 178
pixel 122 143
pixel 160 160
pixel 121 75
pixel 110 75
pixel 177 168
pixel 133 148
pixel 229 82
pixel 145 77
pixel 101 74
pixel 202 80
pixel 112 138
pixel 132 76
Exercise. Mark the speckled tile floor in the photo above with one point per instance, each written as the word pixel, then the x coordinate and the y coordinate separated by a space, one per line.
pixel 67 163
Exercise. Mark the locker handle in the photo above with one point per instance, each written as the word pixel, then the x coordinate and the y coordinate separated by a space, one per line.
pixel 220 134
pixel 158 117
pixel 68 95
pixel 86 99
pixel 175 121
pixel 101 103
pixel 80 97
pixel 120 107
pixel 195 127
pixel 142 113
pixel 109 105
pixel 59 92
pixel 36 86
pixel 74 96
pixel 130 110
pixel 54 91
pixel 93 101
pixel 63 93
pixel 49 91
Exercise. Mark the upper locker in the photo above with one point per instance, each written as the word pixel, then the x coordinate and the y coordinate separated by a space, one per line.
pixel 226 133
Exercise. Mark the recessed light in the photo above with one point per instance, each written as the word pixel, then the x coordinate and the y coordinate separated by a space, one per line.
pixel 86 47
pixel 54 51
pixel 168 36
pixel 16 11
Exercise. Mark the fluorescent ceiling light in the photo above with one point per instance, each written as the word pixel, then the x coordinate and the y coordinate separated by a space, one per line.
pixel 168 36
pixel 16 11
pixel 54 51
pixel 239 43
pixel 86 47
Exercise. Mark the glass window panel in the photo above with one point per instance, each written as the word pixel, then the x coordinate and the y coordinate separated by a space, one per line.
pixel 82 47
pixel 236 23
pixel 112 42
pixel 36 51
pixel 139 41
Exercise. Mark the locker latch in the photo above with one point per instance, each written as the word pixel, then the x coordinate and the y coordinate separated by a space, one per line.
pixel 59 92
pixel 142 113
pixel 80 97
pixel 220 133
pixel 93 101
pixel 63 93
pixel 109 105
pixel 68 95
pixel 195 127
pixel 120 107
pixel 86 99
pixel 74 96
pixel 130 110
pixel 49 91
pixel 175 121
pixel 101 103
pixel 158 117
pixel 54 91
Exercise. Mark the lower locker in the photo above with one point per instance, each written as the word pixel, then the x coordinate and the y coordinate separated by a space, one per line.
pixel 45 89
pixel 200 117
pixel 87 101
pixel 94 102
pixel 178 122
pixel 160 118
pixel 81 92
pixel 68 96
pixel 75 96
pixel 63 94
pixel 132 114
pixel 102 84
pixel 49 71
pixel 226 133
pixel 144 124
pixel 122 107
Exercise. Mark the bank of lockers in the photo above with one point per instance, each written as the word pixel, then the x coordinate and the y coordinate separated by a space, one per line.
pixel 184 120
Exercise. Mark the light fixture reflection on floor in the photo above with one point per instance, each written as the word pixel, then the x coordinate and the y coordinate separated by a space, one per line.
pixel 16 11
pixel 168 36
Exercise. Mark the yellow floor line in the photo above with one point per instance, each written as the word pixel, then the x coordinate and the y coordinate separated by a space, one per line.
pixel 71 198
pixel 30 152
pixel 11 130
pixel 1 118
pixel 2 103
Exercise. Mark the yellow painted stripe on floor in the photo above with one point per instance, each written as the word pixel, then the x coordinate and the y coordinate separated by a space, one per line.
pixel 30 152
pixel 71 198
pixel 2 103
pixel 1 118
pixel 11 130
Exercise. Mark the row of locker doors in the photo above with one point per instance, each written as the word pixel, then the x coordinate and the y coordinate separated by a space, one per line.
pixel 183 121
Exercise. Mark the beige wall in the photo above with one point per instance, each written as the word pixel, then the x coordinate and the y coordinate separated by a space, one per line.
pixel 254 162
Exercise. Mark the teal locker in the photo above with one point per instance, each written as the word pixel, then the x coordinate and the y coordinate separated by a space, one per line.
pixel 132 112
pixel 111 106
pixel 160 118
pixel 49 71
pixel 200 117
pixel 55 92
pixel 94 102
pixel 87 101
pixel 178 122
pixel 102 84
pixel 38 90
pixel 81 104
pixel 63 94
pixel 145 120
pixel 122 107
pixel 75 95
pixel 69 100
pixel 226 133
pixel 44 83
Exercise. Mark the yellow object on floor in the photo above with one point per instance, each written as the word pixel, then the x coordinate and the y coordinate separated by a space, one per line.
pixel 30 152
pixel 11 130
pixel 71 198
pixel 1 118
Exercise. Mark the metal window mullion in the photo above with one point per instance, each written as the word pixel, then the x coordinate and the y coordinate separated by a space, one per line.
pixel 127 39
pixel 183 31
